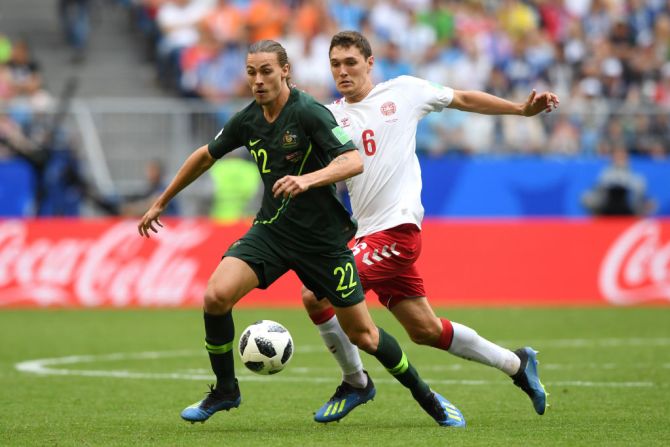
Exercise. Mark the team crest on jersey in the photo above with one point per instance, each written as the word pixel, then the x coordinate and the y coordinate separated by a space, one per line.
pixel 289 140
pixel 345 122
pixel 388 108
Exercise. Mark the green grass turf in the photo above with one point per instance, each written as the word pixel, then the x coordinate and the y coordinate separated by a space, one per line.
pixel 607 369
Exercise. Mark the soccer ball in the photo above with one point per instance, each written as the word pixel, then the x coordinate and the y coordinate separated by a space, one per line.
pixel 265 347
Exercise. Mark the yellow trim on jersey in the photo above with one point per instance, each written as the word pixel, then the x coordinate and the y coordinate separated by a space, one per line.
pixel 286 199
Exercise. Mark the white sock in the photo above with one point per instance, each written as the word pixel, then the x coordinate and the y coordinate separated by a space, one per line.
pixel 470 346
pixel 344 351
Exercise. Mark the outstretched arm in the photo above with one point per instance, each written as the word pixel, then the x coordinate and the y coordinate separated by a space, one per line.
pixel 487 104
pixel 342 167
pixel 194 166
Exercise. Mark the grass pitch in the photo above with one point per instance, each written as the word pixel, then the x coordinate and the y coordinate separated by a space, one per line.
pixel 120 378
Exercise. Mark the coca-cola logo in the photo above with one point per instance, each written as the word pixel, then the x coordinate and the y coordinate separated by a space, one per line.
pixel 115 268
pixel 636 267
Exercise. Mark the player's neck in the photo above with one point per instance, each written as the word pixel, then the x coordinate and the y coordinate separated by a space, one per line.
pixel 360 95
pixel 271 111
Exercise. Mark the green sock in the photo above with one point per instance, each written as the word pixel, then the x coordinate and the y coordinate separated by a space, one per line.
pixel 219 335
pixel 395 361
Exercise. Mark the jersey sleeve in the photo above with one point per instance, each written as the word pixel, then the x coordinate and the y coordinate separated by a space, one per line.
pixel 228 139
pixel 324 130
pixel 428 96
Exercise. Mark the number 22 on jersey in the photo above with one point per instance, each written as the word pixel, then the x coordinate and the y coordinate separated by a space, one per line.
pixel 263 155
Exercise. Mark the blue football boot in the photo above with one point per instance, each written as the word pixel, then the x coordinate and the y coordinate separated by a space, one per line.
pixel 444 412
pixel 528 379
pixel 345 399
pixel 213 402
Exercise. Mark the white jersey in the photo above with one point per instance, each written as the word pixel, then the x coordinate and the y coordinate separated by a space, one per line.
pixel 383 127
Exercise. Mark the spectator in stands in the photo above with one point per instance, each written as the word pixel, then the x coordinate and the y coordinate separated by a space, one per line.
pixel 420 37
pixel 598 21
pixel 594 51
pixel 13 140
pixel 347 14
pixel 564 138
pixel 523 136
pixel 178 25
pixel 390 20
pixel 25 84
pixel 6 91
pixel 619 191
pixel 391 64
pixel 63 186
pixel 218 79
pixel 75 22
pixel 662 89
pixel 267 19
pixel 440 17
pixel 194 57
pixel 518 69
pixel 226 22
pixel 25 70
pixel 517 18
pixel 135 205
pixel 307 41
pixel 432 66
pixel 471 69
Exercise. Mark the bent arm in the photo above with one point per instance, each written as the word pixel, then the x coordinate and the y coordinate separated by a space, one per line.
pixel 342 167
pixel 487 104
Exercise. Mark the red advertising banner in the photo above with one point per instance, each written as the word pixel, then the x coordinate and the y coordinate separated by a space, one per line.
pixel 105 263
pixel 547 262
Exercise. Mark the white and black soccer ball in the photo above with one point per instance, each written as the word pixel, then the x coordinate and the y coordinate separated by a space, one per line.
pixel 265 347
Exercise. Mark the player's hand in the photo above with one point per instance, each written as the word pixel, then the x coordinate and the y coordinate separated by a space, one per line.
pixel 289 185
pixel 150 221
pixel 535 103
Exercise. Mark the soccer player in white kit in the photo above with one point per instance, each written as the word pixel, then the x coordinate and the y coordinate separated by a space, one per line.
pixel 386 200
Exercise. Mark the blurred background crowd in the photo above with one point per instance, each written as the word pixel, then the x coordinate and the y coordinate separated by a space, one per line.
pixel 608 57
pixel 608 60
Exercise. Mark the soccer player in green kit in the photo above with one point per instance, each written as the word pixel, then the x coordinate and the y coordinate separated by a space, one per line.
pixel 301 226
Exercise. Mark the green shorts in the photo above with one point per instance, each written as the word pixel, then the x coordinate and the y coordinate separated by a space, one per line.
pixel 332 275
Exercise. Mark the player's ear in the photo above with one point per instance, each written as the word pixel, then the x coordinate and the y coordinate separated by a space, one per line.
pixel 371 62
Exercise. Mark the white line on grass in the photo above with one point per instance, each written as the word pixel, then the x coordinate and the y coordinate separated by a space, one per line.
pixel 45 367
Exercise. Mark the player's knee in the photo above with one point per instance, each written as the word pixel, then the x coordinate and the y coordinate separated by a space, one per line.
pixel 309 300
pixel 425 334
pixel 217 302
pixel 364 340
pixel 319 311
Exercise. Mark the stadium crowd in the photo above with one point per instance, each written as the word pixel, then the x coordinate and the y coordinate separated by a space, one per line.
pixel 608 59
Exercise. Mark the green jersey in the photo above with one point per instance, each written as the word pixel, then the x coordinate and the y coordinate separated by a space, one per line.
pixel 304 138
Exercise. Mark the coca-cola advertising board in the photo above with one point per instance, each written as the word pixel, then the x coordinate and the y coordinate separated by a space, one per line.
pixel 105 263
